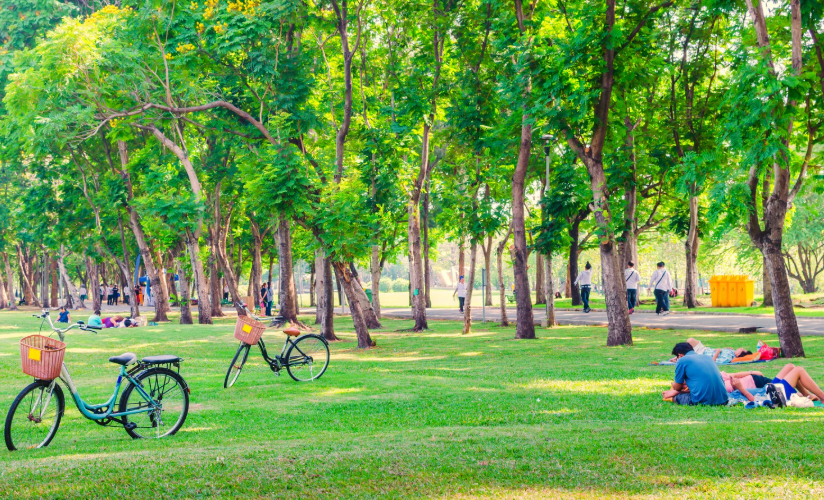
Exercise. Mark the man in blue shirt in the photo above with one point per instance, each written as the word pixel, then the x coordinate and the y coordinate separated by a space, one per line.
pixel 699 375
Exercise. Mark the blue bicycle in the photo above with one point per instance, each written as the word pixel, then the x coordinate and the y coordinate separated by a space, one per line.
pixel 154 404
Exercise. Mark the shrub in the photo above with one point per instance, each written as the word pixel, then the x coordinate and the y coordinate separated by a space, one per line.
pixel 386 285
pixel 400 285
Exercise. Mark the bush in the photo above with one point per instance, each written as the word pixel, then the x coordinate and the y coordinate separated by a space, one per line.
pixel 400 285
pixel 386 285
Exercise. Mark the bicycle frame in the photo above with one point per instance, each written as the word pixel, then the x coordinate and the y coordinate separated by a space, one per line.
pixel 277 362
pixel 90 410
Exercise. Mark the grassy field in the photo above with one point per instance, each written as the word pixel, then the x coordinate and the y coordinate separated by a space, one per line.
pixel 430 415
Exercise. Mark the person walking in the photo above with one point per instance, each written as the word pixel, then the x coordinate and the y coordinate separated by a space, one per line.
pixel 126 294
pixel 632 279
pixel 115 294
pixel 225 292
pixel 584 281
pixel 102 292
pixel 83 292
pixel 269 298
pixel 661 283
pixel 460 291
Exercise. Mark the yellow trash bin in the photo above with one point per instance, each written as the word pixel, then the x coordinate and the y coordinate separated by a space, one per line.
pixel 723 291
pixel 736 297
pixel 749 291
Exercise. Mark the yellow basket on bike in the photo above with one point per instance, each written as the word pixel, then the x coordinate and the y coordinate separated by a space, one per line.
pixel 248 330
pixel 41 356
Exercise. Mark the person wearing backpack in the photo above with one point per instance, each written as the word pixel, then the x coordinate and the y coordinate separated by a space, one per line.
pixel 584 281
pixel 661 283
pixel 632 279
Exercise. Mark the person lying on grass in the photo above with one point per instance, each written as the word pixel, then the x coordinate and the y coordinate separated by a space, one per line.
pixel 793 378
pixel 721 356
pixel 697 379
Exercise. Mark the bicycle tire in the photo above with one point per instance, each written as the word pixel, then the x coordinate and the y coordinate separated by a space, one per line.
pixel 158 392
pixel 314 347
pixel 233 372
pixel 14 440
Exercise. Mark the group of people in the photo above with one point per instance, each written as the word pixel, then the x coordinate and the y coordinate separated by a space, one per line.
pixel 267 297
pixel 112 294
pixel 699 381
pixel 660 282
pixel 111 321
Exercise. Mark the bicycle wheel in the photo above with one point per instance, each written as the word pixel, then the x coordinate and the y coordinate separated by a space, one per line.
pixel 166 388
pixel 237 364
pixel 34 416
pixel 307 358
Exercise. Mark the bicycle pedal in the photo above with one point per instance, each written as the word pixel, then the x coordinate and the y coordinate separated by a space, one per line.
pixel 130 426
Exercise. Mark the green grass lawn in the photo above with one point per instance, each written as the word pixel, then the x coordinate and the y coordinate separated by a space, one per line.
pixel 430 415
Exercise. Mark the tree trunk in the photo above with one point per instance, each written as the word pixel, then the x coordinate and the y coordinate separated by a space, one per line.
pixel 26 275
pixel 215 286
pixel 348 281
pixel 4 299
pixel 525 328
pixel 53 281
pixel 501 288
pixel 470 285
pixel 286 292
pixel 93 273
pixel 550 292
pixel 427 277
pixel 788 335
pixel 10 282
pixel 416 276
pixel 312 302
pixel 256 280
pixel 67 282
pixel 691 250
pixel 320 283
pixel 368 312
pixel 767 286
pixel 540 293
pixel 619 330
pixel 375 265
pixel 204 307
pixel 185 308
pixel 488 267
pixel 327 302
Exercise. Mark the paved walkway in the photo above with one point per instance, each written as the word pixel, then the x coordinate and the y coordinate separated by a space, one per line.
pixel 674 321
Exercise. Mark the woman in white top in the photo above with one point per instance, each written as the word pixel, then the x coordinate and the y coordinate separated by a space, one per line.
pixel 460 291
pixel 584 280
pixel 632 279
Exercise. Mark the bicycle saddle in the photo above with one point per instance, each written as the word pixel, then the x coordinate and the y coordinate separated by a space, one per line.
pixel 292 331
pixel 163 358
pixel 124 359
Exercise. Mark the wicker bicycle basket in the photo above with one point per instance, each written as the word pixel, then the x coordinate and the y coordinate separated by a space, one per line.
pixel 41 356
pixel 248 330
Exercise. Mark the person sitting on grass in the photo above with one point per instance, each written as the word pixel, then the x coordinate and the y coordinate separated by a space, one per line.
pixel 697 379
pixel 94 319
pixel 792 378
pixel 63 316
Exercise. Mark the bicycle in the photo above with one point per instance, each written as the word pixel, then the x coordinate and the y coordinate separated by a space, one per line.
pixel 154 404
pixel 300 360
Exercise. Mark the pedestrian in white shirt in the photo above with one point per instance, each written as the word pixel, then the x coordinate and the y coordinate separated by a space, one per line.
pixel 460 291
pixel 126 294
pixel 661 283
pixel 584 281
pixel 83 293
pixel 632 279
